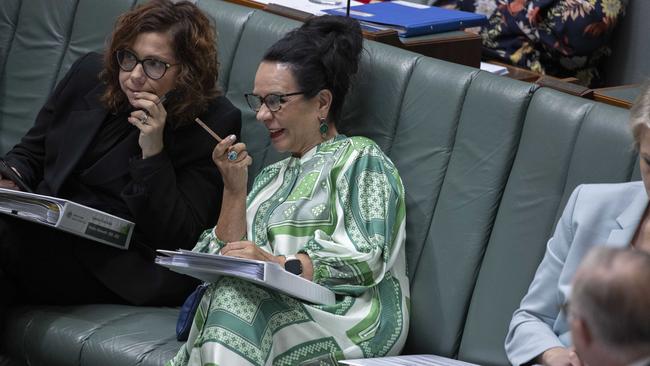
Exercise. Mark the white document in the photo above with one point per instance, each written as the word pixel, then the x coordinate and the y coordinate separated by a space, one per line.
pixel 210 267
pixel 495 69
pixel 411 4
pixel 67 216
pixel 409 360
pixel 309 6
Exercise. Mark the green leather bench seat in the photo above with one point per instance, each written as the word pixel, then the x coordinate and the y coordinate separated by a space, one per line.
pixel 93 335
pixel 487 163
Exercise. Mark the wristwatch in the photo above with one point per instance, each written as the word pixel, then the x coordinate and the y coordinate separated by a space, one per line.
pixel 293 265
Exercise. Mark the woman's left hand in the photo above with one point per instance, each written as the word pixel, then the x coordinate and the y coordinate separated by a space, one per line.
pixel 248 250
pixel 149 118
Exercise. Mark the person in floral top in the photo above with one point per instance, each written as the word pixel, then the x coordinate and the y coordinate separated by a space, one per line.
pixel 556 37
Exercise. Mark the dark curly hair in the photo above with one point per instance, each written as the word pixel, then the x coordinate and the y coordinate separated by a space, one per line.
pixel 193 41
pixel 324 53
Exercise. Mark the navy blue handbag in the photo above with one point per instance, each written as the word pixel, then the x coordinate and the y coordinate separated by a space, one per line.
pixel 186 316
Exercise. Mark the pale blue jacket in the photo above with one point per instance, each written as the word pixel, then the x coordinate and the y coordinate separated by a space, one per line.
pixel 596 214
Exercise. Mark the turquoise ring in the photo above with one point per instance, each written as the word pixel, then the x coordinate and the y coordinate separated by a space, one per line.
pixel 232 155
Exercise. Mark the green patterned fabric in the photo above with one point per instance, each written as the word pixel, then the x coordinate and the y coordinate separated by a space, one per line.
pixel 343 204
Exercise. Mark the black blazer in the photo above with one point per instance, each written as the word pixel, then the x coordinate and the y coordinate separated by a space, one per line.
pixel 172 197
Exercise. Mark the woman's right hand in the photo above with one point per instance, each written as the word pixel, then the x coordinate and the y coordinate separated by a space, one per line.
pixel 234 172
pixel 559 356
pixel 8 183
pixel 5 181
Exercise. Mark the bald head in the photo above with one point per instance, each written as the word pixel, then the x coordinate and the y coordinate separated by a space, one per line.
pixel 611 294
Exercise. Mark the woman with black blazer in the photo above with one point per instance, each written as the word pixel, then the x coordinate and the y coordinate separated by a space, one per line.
pixel 118 135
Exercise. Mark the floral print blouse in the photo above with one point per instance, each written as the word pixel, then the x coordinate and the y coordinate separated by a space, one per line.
pixel 557 37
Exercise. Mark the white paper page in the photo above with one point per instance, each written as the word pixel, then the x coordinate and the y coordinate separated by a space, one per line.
pixel 37 197
pixel 495 69
pixel 411 4
pixel 410 360
pixel 240 267
pixel 310 7
pixel 27 207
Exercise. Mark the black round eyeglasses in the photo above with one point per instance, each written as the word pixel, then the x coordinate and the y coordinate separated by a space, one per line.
pixel 273 101
pixel 154 69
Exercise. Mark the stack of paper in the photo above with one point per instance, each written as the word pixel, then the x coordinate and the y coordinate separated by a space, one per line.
pixel 312 7
pixel 410 360
pixel 495 69
pixel 210 267
pixel 67 216
pixel 37 210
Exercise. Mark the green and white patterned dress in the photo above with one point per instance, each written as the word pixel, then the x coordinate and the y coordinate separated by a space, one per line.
pixel 343 204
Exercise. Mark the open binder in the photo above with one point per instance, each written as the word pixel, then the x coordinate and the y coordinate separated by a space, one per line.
pixel 67 216
pixel 210 267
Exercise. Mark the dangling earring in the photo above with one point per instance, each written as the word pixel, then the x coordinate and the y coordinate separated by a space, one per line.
pixel 323 127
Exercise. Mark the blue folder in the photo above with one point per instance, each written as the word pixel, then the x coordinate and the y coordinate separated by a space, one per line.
pixel 410 21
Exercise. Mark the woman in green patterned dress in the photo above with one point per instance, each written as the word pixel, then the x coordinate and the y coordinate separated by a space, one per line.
pixel 333 212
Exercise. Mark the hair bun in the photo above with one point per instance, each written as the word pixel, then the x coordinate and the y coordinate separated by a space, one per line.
pixel 324 53
pixel 332 23
pixel 338 35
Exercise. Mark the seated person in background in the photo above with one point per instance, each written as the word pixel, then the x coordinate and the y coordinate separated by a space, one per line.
pixel 614 215
pixel 557 37
pixel 609 310
pixel 336 205
pixel 104 139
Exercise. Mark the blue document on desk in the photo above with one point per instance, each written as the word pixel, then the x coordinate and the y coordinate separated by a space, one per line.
pixel 411 20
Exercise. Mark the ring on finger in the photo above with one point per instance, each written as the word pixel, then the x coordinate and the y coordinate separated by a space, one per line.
pixel 144 119
pixel 232 155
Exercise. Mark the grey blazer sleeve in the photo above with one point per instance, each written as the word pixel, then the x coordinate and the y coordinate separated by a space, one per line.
pixel 531 328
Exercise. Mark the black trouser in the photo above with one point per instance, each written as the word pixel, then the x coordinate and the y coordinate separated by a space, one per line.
pixel 39 267
pixel 44 265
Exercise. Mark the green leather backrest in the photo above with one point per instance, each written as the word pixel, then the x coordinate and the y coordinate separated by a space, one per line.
pixel 373 105
pixel 38 50
pixel 487 162
pixel 8 19
pixel 427 145
pixel 229 20
pixel 565 141
pixel 486 136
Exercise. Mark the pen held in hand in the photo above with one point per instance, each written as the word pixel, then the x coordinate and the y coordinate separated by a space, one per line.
pixel 232 154
pixel 205 127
